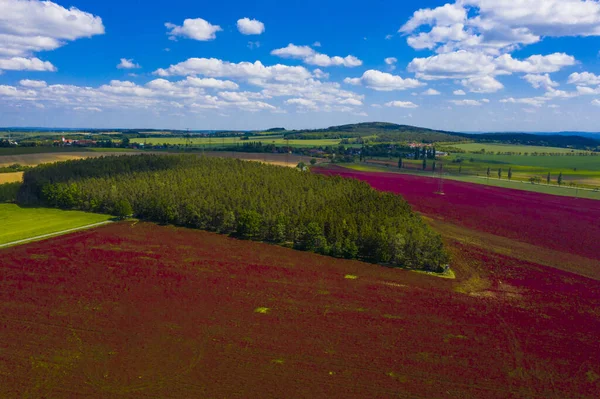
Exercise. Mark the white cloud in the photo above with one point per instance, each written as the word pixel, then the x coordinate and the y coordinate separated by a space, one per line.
pixel 459 93
pixel 248 26
pixel 401 104
pixel 216 68
pixel 304 103
pixel 316 44
pixel 92 109
pixel 466 102
pixel 596 102
pixel 127 64
pixel 33 83
pixel 11 91
pixel 482 84
pixel 211 83
pixel 587 91
pixel 253 45
pixel 465 64
pixel 540 81
pixel 319 74
pixel 311 57
pixel 25 64
pixel 382 81
pixel 391 60
pixel 431 92
pixel 534 101
pixel 478 71
pixel 584 79
pixel 197 29
pixel 485 100
pixel 496 26
pixel 28 27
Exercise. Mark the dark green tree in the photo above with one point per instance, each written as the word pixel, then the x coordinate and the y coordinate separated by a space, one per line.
pixel 123 209
pixel 560 179
pixel 499 173
pixel 424 163
pixel 313 161
pixel 489 172
pixel 548 179
pixel 509 173
pixel 400 163
pixel 433 167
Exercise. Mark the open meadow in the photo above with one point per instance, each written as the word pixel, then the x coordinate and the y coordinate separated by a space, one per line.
pixel 492 147
pixel 140 310
pixel 23 223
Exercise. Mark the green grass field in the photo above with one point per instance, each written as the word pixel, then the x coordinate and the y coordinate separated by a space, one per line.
pixel 22 223
pixel 554 163
pixel 510 148
pixel 214 142
pixel 515 184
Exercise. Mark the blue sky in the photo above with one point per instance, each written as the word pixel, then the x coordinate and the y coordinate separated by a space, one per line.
pixel 466 65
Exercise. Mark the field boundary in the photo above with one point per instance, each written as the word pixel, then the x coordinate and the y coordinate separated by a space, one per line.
pixel 55 234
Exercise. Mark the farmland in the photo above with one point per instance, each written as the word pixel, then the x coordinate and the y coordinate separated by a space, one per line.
pixel 450 174
pixel 558 223
pixel 22 223
pixel 32 159
pixel 201 315
pixel 511 148
pixel 215 142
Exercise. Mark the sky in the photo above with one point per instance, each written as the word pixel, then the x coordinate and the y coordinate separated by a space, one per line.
pixel 460 65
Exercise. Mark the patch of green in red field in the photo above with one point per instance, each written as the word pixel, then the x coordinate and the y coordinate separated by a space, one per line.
pixel 139 310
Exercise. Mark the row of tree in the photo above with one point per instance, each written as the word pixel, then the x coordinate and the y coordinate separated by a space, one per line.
pixel 329 215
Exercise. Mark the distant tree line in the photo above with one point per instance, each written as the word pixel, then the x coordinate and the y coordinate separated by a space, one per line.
pixel 328 215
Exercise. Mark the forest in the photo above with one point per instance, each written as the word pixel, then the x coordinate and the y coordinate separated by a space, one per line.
pixel 329 215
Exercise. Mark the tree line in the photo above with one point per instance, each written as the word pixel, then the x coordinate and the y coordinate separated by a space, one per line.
pixel 328 215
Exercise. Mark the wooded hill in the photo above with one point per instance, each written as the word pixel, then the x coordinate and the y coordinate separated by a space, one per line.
pixel 329 215
pixel 379 131
pixel 392 133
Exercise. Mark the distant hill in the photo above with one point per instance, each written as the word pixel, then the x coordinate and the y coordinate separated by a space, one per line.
pixel 546 140
pixel 376 132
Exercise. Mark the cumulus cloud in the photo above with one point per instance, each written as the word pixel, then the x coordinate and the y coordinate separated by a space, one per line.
pixel 303 103
pixel 466 102
pixel 197 29
pixel 33 83
pixel 11 91
pixel 211 83
pixel 482 84
pixel 596 102
pixel 248 26
pixel 382 81
pixel 216 68
pixel 431 92
pixel 479 70
pixel 127 64
pixel 497 26
pixel 540 81
pixel 26 64
pixel 311 57
pixel 459 93
pixel 533 101
pixel 584 79
pixel 401 104
pixel 28 27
